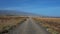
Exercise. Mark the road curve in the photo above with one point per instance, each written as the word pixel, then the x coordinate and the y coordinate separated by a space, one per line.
pixel 29 27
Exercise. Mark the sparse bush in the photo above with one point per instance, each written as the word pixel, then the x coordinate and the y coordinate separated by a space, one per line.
pixel 52 23
pixel 10 22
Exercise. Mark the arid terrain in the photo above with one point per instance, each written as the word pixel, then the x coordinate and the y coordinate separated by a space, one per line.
pixel 10 22
pixel 51 24
pixel 29 25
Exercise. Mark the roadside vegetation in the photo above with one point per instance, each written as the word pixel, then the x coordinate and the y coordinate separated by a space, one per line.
pixel 51 24
pixel 9 22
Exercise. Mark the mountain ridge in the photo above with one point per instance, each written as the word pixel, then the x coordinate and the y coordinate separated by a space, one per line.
pixel 16 13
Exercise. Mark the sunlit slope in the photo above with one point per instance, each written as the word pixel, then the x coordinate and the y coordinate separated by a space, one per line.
pixel 52 24
pixel 8 22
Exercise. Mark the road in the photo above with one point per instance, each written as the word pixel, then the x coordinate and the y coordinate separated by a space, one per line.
pixel 29 27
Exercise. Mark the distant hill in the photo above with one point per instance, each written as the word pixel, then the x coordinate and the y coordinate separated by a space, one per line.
pixel 21 13
pixel 15 13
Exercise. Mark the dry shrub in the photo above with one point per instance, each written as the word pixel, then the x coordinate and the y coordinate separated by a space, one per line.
pixel 53 23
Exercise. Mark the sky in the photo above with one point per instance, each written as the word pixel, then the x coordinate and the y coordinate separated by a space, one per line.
pixel 41 7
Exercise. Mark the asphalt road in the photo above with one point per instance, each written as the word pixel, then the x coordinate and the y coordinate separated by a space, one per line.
pixel 29 27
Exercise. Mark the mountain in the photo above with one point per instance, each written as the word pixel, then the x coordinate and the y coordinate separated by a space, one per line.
pixel 21 13
pixel 15 13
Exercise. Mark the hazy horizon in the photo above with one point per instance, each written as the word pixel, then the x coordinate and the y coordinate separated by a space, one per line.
pixel 41 7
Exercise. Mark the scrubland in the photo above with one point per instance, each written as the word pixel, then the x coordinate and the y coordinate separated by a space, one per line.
pixel 8 22
pixel 51 24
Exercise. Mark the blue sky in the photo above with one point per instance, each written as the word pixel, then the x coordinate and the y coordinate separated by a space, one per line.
pixel 41 7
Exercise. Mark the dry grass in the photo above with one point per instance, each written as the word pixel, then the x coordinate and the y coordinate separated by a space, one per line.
pixel 6 22
pixel 52 24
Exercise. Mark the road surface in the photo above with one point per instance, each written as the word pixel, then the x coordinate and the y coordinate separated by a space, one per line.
pixel 29 27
